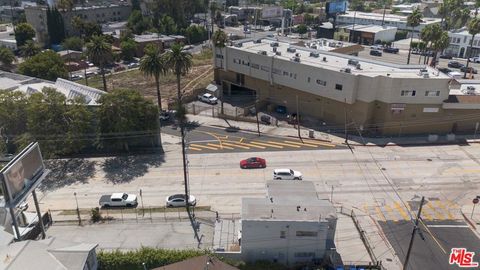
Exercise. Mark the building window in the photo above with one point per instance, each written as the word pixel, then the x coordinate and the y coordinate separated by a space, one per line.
pixel 277 71
pixel 306 234
pixel 408 93
pixel 321 82
pixel 283 234
pixel 219 56
pixel 308 79
pixel 285 73
pixel 236 61
pixel 432 93
pixel 255 66
pixel 265 68
pixel 338 87
pixel 465 39
pixel 304 254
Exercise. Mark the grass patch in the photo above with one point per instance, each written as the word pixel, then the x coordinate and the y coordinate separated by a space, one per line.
pixel 86 211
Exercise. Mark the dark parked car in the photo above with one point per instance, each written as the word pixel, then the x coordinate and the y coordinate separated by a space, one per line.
pixel 391 50
pixel 455 64
pixel 469 70
pixel 446 56
pixel 375 53
pixel 266 119
pixel 445 70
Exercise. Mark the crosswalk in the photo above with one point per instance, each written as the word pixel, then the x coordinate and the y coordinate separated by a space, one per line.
pixel 397 211
pixel 225 144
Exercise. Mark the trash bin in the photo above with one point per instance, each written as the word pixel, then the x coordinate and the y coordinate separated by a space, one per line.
pixel 311 133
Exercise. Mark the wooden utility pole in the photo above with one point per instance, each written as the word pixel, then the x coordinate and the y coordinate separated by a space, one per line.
pixel 298 120
pixel 256 114
pixel 415 228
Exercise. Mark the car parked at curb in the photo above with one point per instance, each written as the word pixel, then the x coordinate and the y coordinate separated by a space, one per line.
pixel 469 70
pixel 253 162
pixel 455 64
pixel 375 53
pixel 208 98
pixel 391 50
pixel 475 59
pixel 178 200
pixel 118 199
pixel 286 174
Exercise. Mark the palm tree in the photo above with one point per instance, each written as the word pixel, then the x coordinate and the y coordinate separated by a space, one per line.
pixel 179 62
pixel 213 8
pixel 413 21
pixel 219 39
pixel 29 49
pixel 99 52
pixel 473 29
pixel 152 64
pixel 440 44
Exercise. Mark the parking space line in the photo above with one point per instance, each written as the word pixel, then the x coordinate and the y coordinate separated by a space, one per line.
pixel 302 144
pixel 284 144
pixel 253 145
pixel 268 145
pixel 203 146
pixel 401 211
pixel 235 145
pixel 194 148
pixel 220 146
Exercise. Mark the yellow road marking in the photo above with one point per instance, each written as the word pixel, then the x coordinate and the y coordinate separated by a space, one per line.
pixel 268 145
pixel 365 208
pixel 302 144
pixel 194 148
pixel 425 214
pixel 401 211
pixel 235 145
pixel 253 145
pixel 390 211
pixel 436 213
pixel 220 146
pixel 380 214
pixel 284 144
pixel 320 143
pixel 203 146
pixel 442 206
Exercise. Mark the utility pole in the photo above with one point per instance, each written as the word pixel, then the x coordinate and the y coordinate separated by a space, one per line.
pixel 256 114
pixel 345 111
pixel 415 228
pixel 331 195
pixel 383 18
pixel 298 120
pixel 78 210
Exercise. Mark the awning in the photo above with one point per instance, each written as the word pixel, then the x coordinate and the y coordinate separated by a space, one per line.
pixel 212 88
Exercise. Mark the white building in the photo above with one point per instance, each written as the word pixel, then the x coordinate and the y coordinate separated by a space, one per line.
pixel 291 225
pixel 460 44
pixel 398 21
pixel 369 34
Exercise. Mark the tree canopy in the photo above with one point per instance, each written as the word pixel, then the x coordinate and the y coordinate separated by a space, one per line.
pixel 128 47
pixel 46 65
pixel 23 33
pixel 73 43
pixel 6 56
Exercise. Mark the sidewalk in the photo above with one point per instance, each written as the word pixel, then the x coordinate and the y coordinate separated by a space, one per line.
pixel 472 220
pixel 283 131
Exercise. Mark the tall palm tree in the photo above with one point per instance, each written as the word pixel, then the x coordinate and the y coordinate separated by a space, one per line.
pixel 99 52
pixel 29 49
pixel 413 21
pixel 179 62
pixel 219 39
pixel 441 43
pixel 213 8
pixel 152 64
pixel 473 29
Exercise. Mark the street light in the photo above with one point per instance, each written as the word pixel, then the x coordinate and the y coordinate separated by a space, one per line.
pixel 78 210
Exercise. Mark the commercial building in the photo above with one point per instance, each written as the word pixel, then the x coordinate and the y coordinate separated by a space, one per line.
pixel 367 96
pixel 369 34
pixel 460 44
pixel 37 17
pixel 163 41
pixel 392 20
pixel 291 225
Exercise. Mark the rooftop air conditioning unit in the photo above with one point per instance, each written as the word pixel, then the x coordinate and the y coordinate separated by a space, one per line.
pixel 258 40
pixel 358 66
pixel 292 50
pixel 262 52
pixel 352 62
pixel 296 59
pixel 278 53
pixel 314 47
pixel 347 70
pixel 238 45
pixel 274 49
pixel 274 44
pixel 426 75
pixel 314 54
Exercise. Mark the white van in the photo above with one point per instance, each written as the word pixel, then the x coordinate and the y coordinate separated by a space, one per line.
pixel 286 174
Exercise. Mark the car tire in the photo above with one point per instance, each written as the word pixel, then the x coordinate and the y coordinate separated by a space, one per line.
pixel 128 205
pixel 296 178
pixel 106 205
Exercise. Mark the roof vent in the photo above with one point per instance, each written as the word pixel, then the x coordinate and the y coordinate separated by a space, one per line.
pixel 314 54
pixel 274 44
pixel 258 40
pixel 297 54
pixel 278 53
pixel 274 49
pixel 347 70
pixel 352 62
pixel 324 59
pixel 358 66
pixel 296 59
pixel 238 45
pixel 262 52
pixel 292 50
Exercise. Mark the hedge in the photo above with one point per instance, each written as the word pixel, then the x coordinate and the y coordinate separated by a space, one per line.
pixel 152 257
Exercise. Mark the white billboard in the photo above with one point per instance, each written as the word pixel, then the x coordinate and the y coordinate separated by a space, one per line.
pixel 272 12
pixel 21 175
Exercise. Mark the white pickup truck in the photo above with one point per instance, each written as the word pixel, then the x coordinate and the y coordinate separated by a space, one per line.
pixel 118 199
pixel 208 98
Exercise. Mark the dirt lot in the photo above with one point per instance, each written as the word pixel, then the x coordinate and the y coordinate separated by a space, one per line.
pixel 200 76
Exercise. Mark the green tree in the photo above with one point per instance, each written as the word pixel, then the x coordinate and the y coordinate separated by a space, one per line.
pixel 413 20
pixel 73 43
pixel 13 114
pixel 213 9
pixel 473 29
pixel 138 23
pixel 23 32
pixel 302 29
pixel 129 48
pixel 153 64
pixel 125 116
pixel 99 52
pixel 86 29
pixel 65 5
pixel 29 49
pixel 55 25
pixel 167 25
pixel 46 65
pixel 195 34
pixel 7 57
pixel 219 39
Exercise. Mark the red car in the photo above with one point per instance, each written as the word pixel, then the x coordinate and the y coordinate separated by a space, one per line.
pixel 253 162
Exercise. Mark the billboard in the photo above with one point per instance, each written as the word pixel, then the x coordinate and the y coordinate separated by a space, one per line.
pixel 272 12
pixel 336 6
pixel 21 175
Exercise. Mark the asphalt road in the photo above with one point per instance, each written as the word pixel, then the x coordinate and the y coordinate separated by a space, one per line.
pixel 203 140
pixel 439 237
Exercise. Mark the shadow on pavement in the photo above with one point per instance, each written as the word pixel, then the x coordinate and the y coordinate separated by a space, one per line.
pixel 123 169
pixel 65 172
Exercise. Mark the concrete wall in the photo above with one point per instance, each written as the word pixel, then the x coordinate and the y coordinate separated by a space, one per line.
pixel 261 240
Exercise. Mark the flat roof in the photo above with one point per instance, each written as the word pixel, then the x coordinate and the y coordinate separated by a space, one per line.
pixel 336 61
pixel 370 28
pixel 466 88
pixel 388 17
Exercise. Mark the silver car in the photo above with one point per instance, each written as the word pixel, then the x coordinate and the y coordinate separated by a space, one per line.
pixel 178 200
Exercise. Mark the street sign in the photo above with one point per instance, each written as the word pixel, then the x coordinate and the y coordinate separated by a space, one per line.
pixel 476 200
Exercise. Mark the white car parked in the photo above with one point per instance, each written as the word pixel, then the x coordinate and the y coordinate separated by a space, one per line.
pixel 178 200
pixel 475 59
pixel 286 174
pixel 208 98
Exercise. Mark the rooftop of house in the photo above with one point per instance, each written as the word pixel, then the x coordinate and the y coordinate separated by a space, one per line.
pixel 388 17
pixel 288 201
pixel 335 61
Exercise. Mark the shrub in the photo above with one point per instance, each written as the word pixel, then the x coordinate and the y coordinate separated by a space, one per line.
pixel 95 215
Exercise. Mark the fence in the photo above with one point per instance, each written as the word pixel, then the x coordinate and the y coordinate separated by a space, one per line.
pixel 231 113
pixel 37 229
